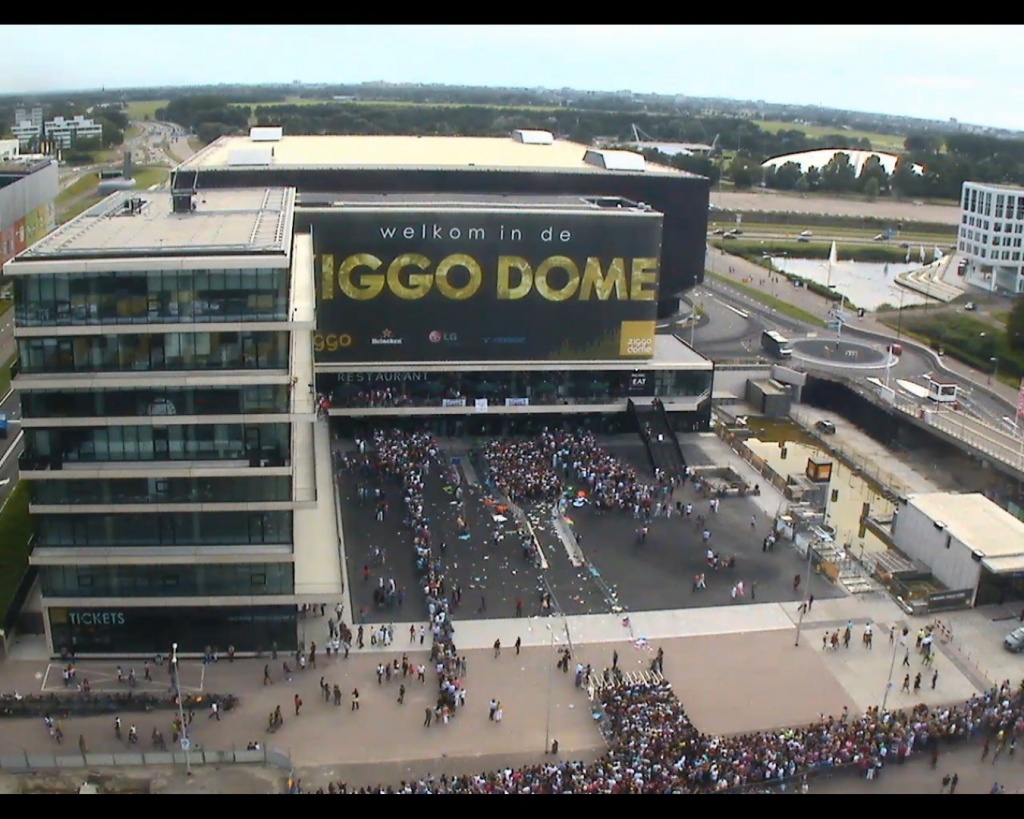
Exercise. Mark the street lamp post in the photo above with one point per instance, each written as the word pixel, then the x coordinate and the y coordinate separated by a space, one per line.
pixel 807 582
pixel 892 667
pixel 185 742
pixel 995 369
pixel 547 718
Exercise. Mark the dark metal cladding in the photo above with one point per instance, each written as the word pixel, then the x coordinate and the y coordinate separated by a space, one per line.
pixel 683 199
pixel 434 284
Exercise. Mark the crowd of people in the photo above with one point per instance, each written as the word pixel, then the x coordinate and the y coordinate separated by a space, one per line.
pixel 386 397
pixel 548 465
pixel 409 458
pixel 654 748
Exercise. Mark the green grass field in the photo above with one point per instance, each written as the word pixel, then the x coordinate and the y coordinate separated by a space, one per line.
pixel 754 248
pixel 767 300
pixel 147 177
pixel 142 109
pixel 838 232
pixel 15 544
pixel 882 142
pixel 79 187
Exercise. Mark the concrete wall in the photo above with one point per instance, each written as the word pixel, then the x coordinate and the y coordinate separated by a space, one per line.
pixel 730 381
pixel 950 560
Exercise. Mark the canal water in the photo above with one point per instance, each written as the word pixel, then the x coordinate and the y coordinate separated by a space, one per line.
pixel 865 284
pixel 786 449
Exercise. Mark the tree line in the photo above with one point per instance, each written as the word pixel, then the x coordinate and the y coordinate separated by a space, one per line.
pixel 948 160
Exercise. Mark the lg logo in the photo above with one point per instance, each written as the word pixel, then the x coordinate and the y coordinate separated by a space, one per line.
pixel 436 337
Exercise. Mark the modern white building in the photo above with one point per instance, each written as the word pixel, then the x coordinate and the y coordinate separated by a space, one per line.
pixel 180 483
pixel 65 131
pixel 991 232
pixel 967 542
pixel 24 131
pixel 9 148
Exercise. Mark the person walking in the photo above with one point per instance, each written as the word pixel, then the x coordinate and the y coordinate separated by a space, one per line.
pixel 935 678
pixel 355 699
pixel 266 675
pixel 401 694
pixel 298 704
pixel 519 644
pixel 428 717
pixel 497 648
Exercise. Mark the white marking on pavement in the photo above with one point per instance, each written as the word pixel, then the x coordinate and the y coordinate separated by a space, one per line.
pixel 10 449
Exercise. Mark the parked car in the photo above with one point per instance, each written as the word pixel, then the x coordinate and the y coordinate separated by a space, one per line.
pixel 826 427
pixel 717 232
pixel 1014 641
pixel 806 233
pixel 803 238
pixel 970 306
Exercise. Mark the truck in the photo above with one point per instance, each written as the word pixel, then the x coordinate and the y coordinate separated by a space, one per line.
pixel 776 344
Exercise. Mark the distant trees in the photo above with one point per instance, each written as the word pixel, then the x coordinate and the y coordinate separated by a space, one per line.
pixel 209 116
pixel 839 175
pixel 947 160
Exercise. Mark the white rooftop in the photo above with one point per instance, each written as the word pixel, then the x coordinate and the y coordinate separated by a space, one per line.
pixel 224 222
pixel 528 150
pixel 983 526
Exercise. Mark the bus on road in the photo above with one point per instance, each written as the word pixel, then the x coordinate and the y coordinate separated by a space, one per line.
pixel 776 344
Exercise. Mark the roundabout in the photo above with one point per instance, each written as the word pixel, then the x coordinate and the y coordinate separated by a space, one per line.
pixel 847 354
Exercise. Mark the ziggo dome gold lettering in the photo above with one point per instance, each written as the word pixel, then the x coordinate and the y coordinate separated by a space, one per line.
pixel 412 276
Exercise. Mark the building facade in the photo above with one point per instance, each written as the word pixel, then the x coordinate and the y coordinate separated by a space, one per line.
pixel 527 163
pixel 969 543
pixel 991 236
pixel 165 369
pixel 28 193
pixel 64 132
pixel 28 125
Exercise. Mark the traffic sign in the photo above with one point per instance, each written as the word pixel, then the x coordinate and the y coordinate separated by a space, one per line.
pixel 185 743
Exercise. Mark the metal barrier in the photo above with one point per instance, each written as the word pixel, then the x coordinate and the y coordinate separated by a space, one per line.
pixel 26 762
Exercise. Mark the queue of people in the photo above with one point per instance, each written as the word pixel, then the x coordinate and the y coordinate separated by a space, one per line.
pixel 410 458
pixel 654 748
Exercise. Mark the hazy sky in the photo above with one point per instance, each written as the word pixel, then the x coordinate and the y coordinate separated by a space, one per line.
pixel 972 73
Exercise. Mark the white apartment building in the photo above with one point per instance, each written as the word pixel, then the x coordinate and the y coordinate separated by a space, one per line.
pixel 24 131
pixel 65 131
pixel 991 235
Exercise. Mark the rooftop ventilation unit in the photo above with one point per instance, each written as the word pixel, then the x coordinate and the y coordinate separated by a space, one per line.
pixel 256 157
pixel 527 137
pixel 266 134
pixel 615 160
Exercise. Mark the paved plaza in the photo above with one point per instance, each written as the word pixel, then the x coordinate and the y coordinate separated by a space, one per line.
pixel 734 665
pixel 621 573
pixel 735 670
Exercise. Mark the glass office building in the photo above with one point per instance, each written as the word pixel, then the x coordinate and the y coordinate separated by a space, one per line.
pixel 166 375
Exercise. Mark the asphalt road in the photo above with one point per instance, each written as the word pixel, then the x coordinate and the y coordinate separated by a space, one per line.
pixel 728 341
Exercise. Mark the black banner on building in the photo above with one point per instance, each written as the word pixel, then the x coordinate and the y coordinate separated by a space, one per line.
pixel 479 285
